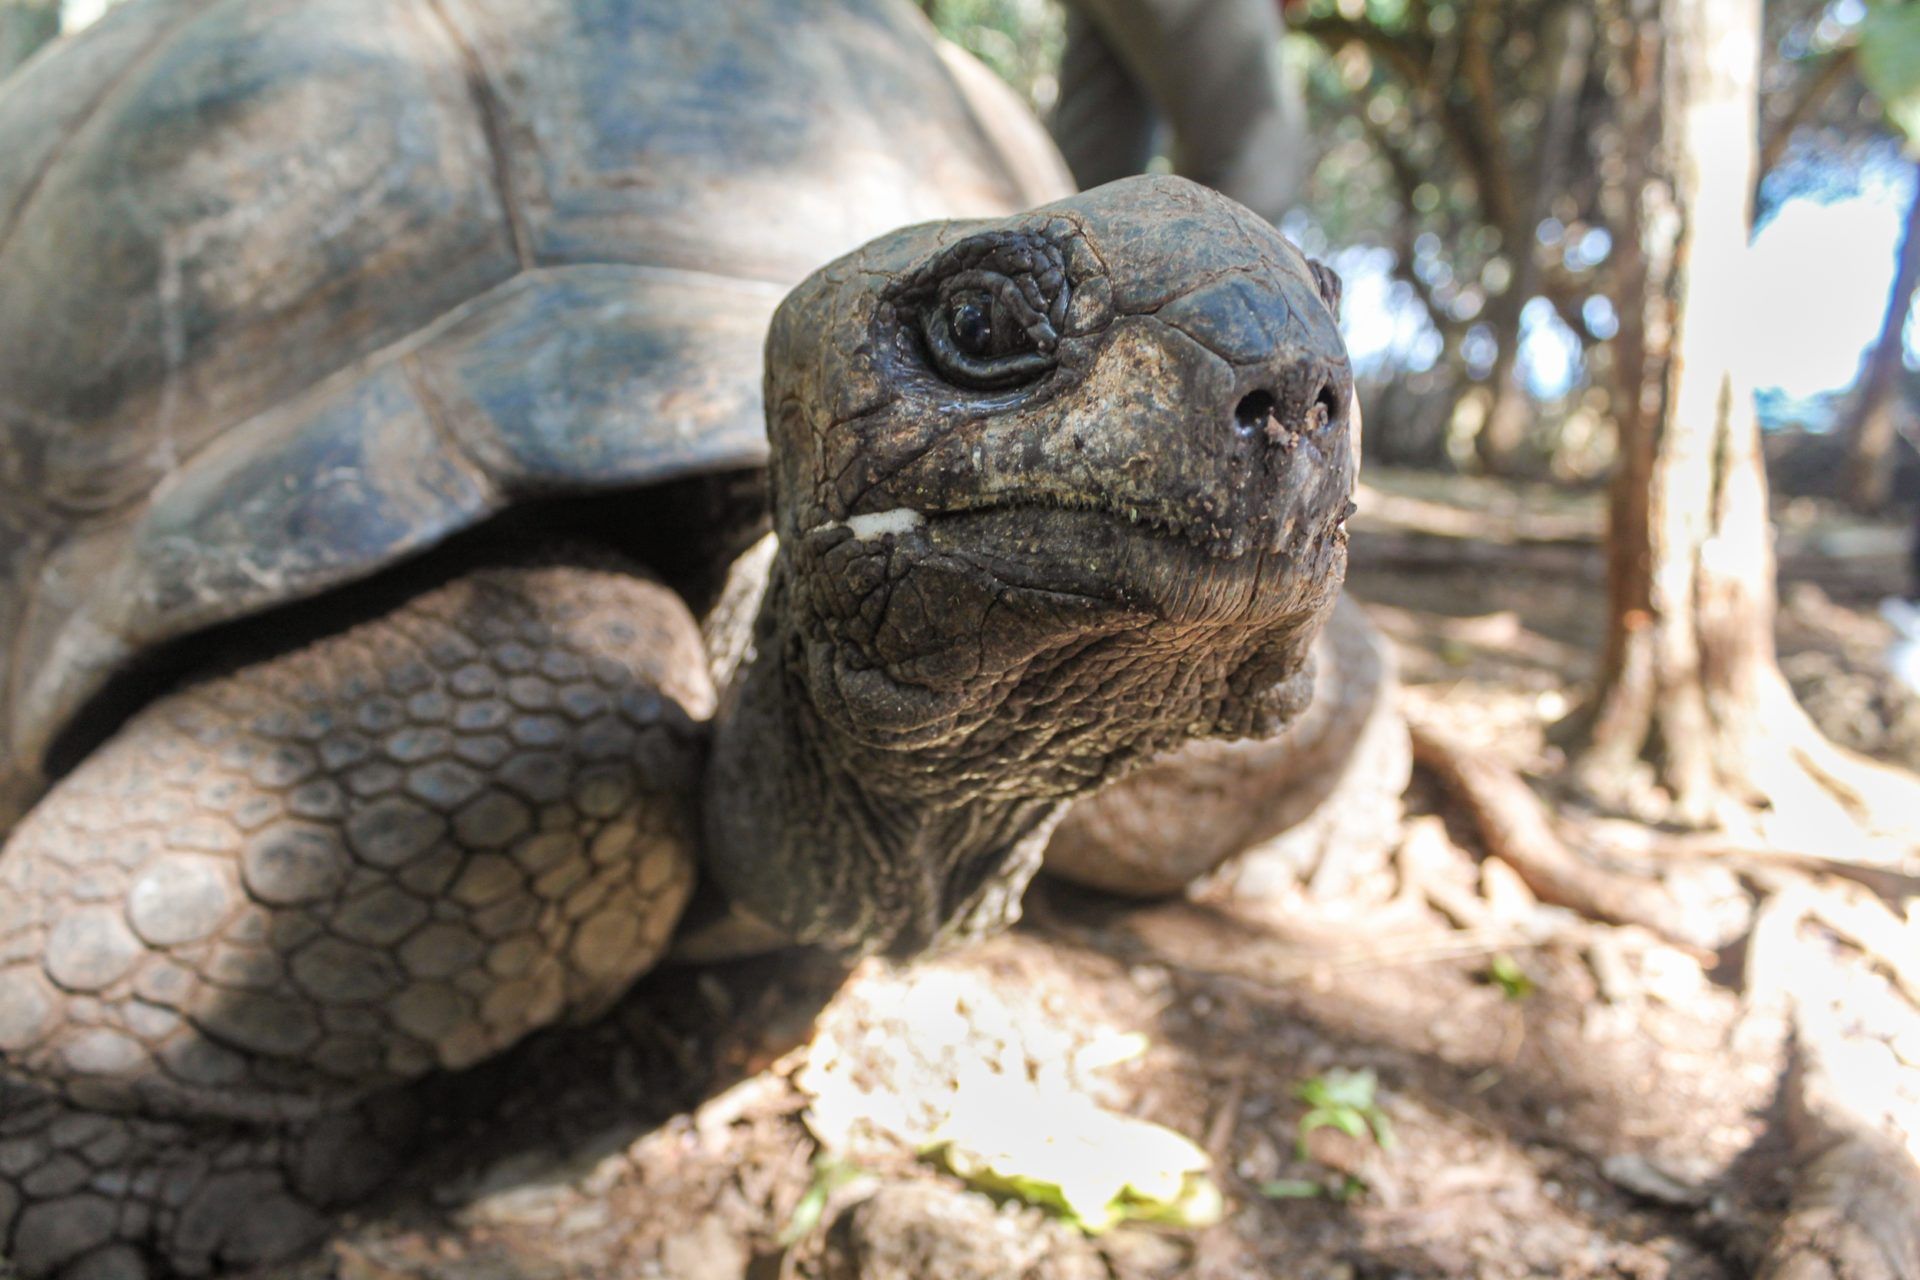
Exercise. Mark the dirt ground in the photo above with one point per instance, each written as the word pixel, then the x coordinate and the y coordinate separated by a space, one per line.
pixel 1620 1112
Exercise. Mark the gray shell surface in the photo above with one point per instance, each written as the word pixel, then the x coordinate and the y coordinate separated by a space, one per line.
pixel 293 289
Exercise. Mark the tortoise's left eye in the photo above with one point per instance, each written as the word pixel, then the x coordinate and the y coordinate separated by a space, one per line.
pixel 971 319
pixel 990 309
pixel 984 333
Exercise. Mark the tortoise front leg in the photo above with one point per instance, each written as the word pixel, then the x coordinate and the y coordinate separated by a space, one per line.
pixel 281 891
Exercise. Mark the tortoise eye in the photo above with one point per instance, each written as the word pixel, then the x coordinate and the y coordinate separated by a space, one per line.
pixel 990 309
pixel 983 334
pixel 972 321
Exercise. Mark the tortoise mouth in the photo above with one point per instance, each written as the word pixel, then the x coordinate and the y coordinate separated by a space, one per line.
pixel 1136 561
pixel 1275 529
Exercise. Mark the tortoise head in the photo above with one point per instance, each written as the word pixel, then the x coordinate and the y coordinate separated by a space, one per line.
pixel 1117 425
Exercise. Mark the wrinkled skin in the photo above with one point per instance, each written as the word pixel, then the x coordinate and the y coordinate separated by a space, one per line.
pixel 1053 494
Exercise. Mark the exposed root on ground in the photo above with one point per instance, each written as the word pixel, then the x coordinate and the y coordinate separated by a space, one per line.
pixel 1766 776
pixel 1822 797
pixel 1515 827
pixel 1753 858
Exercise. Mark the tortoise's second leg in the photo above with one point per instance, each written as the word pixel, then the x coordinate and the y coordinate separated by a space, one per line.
pixel 280 892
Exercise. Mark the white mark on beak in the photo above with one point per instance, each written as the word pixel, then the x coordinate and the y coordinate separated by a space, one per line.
pixel 876 524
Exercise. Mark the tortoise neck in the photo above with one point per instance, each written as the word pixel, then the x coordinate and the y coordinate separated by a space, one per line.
pixel 839 840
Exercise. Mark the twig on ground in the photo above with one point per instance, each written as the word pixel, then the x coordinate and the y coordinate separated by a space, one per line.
pixel 1226 1120
pixel 1424 858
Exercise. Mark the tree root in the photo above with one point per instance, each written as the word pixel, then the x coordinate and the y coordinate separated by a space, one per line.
pixel 1515 828
pixel 1855 1208
pixel 1878 932
pixel 1755 858
pixel 1836 799
pixel 1855 1211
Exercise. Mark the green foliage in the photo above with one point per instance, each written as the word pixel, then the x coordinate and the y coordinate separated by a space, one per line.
pixel 1020 39
pixel 1389 15
pixel 1343 1100
pixel 1890 63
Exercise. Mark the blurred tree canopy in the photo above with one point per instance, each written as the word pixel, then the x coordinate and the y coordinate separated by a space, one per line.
pixel 1471 160
pixel 1470 138
pixel 1019 39
pixel 1485 143
pixel 1474 152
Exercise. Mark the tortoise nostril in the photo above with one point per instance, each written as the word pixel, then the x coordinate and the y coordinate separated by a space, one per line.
pixel 1251 414
pixel 1326 406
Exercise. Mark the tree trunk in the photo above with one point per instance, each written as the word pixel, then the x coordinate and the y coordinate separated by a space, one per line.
pixel 1569 42
pixel 1689 691
pixel 25 25
pixel 1502 434
pixel 1868 425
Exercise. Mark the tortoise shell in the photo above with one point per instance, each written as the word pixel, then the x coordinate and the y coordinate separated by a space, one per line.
pixel 291 290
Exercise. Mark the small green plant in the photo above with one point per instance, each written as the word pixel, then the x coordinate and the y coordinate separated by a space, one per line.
pixel 1343 1100
pixel 1505 972
pixel 1346 1188
pixel 1341 1188
pixel 830 1173
pixel 1292 1189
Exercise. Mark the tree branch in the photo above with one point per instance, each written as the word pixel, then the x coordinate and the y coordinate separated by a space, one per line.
pixel 1564 294
pixel 1408 59
pixel 1480 127
pixel 1406 178
pixel 1814 90
pixel 1472 130
pixel 1867 422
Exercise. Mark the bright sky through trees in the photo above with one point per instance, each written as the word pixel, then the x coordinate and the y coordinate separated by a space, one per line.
pixel 1828 266
pixel 1823 262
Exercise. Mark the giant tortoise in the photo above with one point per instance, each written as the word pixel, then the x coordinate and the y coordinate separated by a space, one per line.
pixel 384 409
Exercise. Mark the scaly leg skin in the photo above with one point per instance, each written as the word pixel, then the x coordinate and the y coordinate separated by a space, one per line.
pixel 278 894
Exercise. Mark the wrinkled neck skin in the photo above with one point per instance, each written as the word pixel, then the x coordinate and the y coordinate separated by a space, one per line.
pixel 874 805
pixel 810 831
